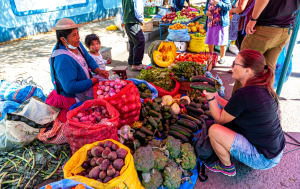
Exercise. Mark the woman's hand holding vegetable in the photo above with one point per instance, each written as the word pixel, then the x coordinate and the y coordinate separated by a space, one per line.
pixel 209 95
pixel 102 73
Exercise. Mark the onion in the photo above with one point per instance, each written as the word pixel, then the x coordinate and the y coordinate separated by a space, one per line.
pixel 117 80
pixel 100 96
pixel 99 92
pixel 106 83
pixel 75 119
pixel 111 90
pixel 102 107
pixel 85 118
pixel 92 119
pixel 112 93
pixel 107 88
pixel 103 120
pixel 112 84
pixel 105 93
pixel 98 118
pixel 117 90
pixel 124 83
pixel 102 87
pixel 79 115
pixel 104 111
pixel 118 86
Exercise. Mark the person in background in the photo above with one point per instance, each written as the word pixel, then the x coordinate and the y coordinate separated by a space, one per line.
pixel 216 27
pixel 133 18
pixel 268 29
pixel 179 4
pixel 70 66
pixel 92 42
pixel 241 16
pixel 248 126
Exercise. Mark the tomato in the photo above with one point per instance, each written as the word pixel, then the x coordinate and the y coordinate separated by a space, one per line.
pixel 175 61
pixel 190 59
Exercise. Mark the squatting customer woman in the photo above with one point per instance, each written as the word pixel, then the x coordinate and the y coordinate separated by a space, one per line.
pixel 70 65
pixel 248 127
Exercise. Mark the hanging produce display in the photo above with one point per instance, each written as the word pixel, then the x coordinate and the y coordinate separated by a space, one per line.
pixel 183 16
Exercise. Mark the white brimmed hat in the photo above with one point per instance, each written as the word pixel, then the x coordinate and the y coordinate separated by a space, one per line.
pixel 65 24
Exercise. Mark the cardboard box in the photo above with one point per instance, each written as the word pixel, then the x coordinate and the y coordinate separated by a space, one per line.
pixel 147 26
pixel 156 22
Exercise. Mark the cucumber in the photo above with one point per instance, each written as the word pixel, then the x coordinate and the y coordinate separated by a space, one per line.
pixel 191 122
pixel 178 135
pixel 190 118
pixel 194 110
pixel 186 124
pixel 153 113
pixel 197 117
pixel 182 131
pixel 202 79
pixel 193 104
pixel 146 131
pixel 203 86
pixel 180 126
pixel 152 122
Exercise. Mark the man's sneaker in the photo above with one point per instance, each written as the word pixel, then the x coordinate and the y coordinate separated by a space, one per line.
pixel 218 166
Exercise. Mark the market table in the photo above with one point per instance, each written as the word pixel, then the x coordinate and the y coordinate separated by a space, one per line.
pixel 197 18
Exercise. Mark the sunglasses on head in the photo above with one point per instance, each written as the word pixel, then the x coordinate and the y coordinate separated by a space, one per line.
pixel 233 64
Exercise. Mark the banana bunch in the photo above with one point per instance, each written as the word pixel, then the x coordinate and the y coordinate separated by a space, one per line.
pixel 112 27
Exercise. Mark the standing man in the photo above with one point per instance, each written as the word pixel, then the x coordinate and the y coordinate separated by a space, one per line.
pixel 133 17
pixel 268 29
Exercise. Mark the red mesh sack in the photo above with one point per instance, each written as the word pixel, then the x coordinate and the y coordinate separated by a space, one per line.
pixel 127 102
pixel 162 92
pixel 79 133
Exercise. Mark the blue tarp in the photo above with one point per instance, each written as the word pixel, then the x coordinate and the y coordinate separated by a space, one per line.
pixel 150 87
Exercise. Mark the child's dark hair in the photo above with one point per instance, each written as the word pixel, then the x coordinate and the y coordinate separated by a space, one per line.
pixel 89 38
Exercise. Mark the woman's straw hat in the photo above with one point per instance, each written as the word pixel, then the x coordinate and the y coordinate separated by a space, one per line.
pixel 65 24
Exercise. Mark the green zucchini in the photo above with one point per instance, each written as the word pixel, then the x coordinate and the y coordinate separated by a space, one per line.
pixel 194 110
pixel 204 116
pixel 146 131
pixel 186 124
pixel 197 121
pixel 202 79
pixel 178 135
pixel 204 106
pixel 180 126
pixel 203 86
pixel 182 131
pixel 193 104
pixel 152 122
pixel 191 122
pixel 197 117
pixel 153 113
pixel 208 113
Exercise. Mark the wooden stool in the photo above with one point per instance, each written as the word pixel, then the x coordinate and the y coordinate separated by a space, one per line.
pixel 121 71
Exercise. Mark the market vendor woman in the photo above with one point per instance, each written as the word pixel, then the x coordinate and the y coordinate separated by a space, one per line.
pixel 248 127
pixel 70 66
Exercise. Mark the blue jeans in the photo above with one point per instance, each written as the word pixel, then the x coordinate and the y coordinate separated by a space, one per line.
pixel 246 153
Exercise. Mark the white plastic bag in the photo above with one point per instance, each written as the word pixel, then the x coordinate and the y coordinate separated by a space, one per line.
pixel 233 49
pixel 118 21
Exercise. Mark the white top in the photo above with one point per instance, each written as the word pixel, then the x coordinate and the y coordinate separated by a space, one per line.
pixel 100 61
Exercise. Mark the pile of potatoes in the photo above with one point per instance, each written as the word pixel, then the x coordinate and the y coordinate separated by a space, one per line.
pixel 104 162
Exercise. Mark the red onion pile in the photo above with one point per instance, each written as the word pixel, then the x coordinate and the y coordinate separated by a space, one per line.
pixel 92 115
pixel 110 88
